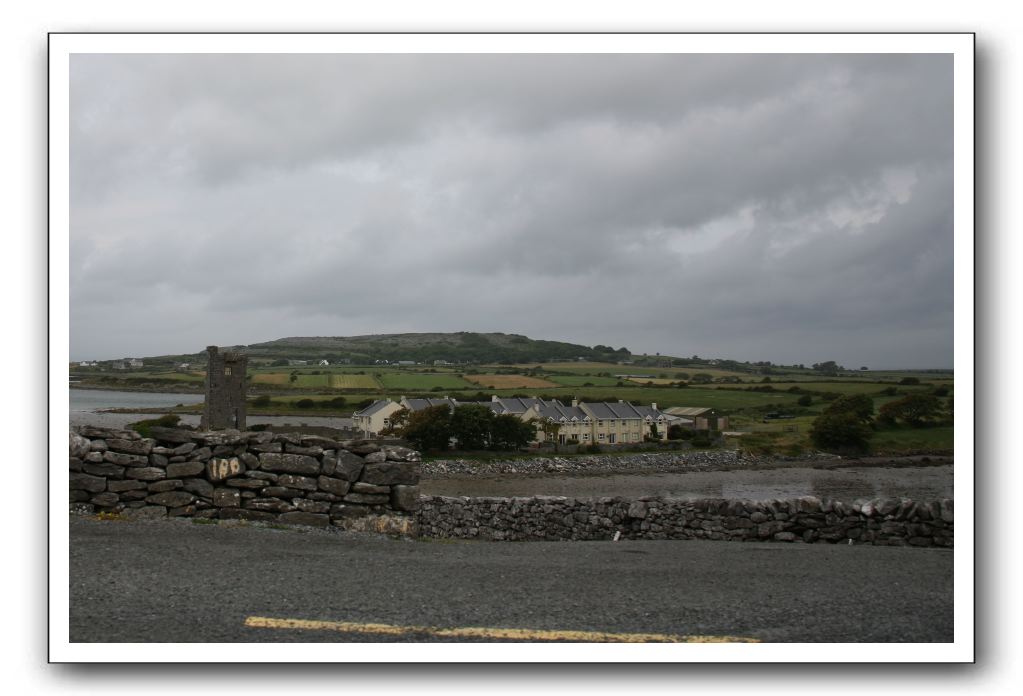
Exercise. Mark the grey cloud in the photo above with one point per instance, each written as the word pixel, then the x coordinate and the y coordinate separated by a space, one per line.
pixel 791 208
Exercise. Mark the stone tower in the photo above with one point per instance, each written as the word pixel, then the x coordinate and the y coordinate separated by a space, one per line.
pixel 225 390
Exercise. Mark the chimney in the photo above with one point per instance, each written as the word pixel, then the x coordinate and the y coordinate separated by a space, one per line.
pixel 654 406
pixel 575 403
pixel 493 397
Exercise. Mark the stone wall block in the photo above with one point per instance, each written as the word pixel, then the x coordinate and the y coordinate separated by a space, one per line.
pixel 315 506
pixel 106 469
pixel 333 485
pixel 395 453
pixel 390 473
pixel 87 482
pixel 360 447
pixel 183 469
pixel 249 483
pixel 184 448
pixel 106 499
pixel 404 497
pixel 300 482
pixel 172 436
pixel 289 463
pixel 201 487
pixel 171 498
pixel 347 466
pixel 122 459
pixel 127 485
pixel 227 497
pixel 361 487
pixel 221 469
pixel 139 447
pixel 314 451
pixel 164 486
pixel 367 499
pixel 78 446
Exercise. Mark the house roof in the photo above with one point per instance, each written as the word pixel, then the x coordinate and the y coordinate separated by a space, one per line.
pixel 373 407
pixel 518 405
pixel 558 411
pixel 689 411
pixel 621 410
pixel 420 404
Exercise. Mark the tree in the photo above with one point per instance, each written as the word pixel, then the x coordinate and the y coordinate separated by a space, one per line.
pixel 510 432
pixel 829 367
pixel 915 410
pixel 471 426
pixel 428 429
pixel 805 400
pixel 845 424
pixel 840 431
pixel 550 430
pixel 860 405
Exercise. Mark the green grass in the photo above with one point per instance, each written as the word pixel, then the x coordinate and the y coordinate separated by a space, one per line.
pixel 580 380
pixel 937 439
pixel 418 381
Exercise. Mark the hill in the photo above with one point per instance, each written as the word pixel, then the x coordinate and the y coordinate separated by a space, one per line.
pixel 427 347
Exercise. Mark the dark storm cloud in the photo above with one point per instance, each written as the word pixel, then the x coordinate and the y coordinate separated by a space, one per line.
pixel 791 208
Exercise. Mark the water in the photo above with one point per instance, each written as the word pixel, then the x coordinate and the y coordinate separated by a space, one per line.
pixel 846 484
pixel 87 400
pixel 86 404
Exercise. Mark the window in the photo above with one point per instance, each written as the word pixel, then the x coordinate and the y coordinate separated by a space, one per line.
pixel 600 422
pixel 227 371
pixel 611 438
pixel 602 436
pixel 586 436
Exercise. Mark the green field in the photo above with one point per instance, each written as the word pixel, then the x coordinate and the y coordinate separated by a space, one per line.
pixel 580 380
pixel 907 439
pixel 418 381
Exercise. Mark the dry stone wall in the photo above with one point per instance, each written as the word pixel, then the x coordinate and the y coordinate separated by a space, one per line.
pixel 890 522
pixel 228 474
pixel 311 480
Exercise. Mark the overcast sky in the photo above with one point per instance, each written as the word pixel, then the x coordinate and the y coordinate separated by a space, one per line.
pixel 756 207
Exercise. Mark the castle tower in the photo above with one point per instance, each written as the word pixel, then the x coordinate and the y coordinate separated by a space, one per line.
pixel 225 390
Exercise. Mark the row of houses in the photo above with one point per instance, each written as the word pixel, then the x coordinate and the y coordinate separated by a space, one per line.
pixel 603 423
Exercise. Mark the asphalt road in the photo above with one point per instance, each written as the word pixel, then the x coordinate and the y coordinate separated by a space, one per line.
pixel 178 581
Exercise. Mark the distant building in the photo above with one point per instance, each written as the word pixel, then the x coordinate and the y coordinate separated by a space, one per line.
pixel 405 362
pixel 371 420
pixel 296 363
pixel 225 404
pixel 703 418
pixel 134 362
pixel 323 363
pixel 602 423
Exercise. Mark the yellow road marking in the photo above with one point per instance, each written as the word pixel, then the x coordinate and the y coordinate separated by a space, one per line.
pixel 492 633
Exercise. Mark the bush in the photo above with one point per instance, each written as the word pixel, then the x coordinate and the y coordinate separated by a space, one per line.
pixel 909 380
pixel 915 410
pixel 305 403
pixel 262 400
pixel 701 440
pixel 805 400
pixel 142 427
pixel 841 431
